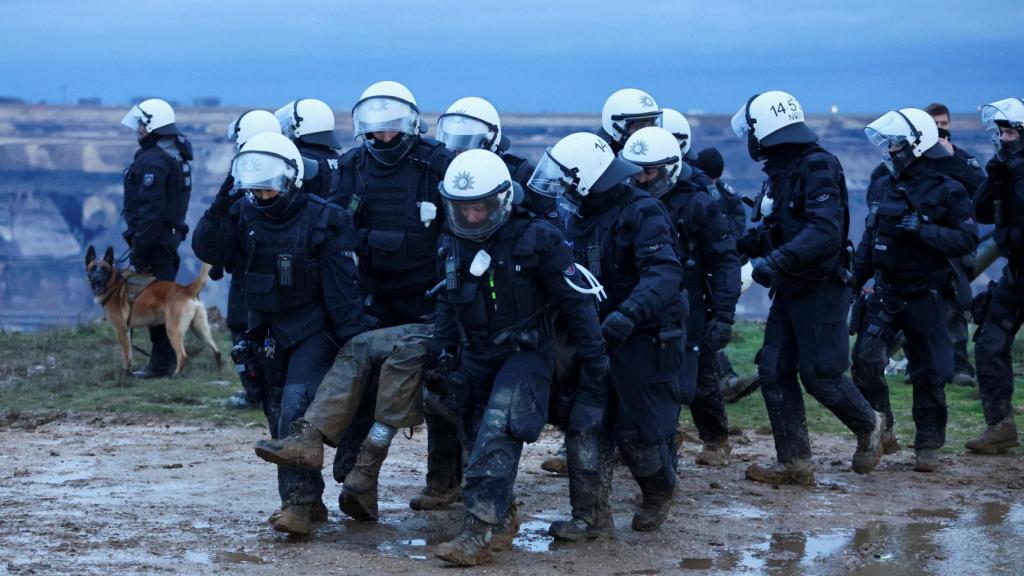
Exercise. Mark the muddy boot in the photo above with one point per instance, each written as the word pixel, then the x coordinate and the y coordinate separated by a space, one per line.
pixel 656 503
pixel 303 448
pixel 890 444
pixel 430 499
pixel 996 439
pixel 358 497
pixel 714 454
pixel 965 379
pixel 797 473
pixel 926 460
pixel 318 514
pixel 735 389
pixel 556 465
pixel 295 519
pixel 869 447
pixel 506 530
pixel 471 547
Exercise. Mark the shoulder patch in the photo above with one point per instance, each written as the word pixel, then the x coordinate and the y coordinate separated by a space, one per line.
pixel 148 179
pixel 822 196
pixel 973 163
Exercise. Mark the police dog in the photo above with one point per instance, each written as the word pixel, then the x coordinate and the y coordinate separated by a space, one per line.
pixel 175 306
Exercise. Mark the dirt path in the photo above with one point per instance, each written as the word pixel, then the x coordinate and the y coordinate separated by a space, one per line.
pixel 95 498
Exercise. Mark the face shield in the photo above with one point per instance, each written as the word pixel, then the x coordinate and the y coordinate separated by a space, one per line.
pixel 739 124
pixel 476 219
pixel 460 132
pixel 656 178
pixel 893 132
pixel 554 180
pixel 134 118
pixel 263 171
pixel 627 124
pixel 383 114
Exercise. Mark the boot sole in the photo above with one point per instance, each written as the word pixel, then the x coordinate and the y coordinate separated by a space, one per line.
pixel 273 458
pixel 463 560
pixel 351 506
pixel 996 450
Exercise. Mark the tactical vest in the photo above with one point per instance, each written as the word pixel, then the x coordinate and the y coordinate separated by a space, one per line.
pixel 906 262
pixel 282 268
pixel 680 205
pixel 509 294
pixel 385 203
pixel 176 202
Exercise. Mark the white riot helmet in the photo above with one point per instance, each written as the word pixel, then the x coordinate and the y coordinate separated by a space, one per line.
pixel 907 135
pixel 679 126
pixel 155 114
pixel 477 193
pixel 470 123
pixel 308 120
pixel 628 110
pixel 1006 114
pixel 251 123
pixel 657 152
pixel 270 161
pixel 770 119
pixel 576 166
pixel 387 107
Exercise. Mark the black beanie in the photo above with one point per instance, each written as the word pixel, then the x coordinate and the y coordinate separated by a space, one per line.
pixel 710 161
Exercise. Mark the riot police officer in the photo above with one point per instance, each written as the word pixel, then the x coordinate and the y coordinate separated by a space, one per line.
pixel 624 112
pixel 247 125
pixel 711 275
pixel 918 219
pixel 803 245
pixel 1001 202
pixel 157 188
pixel 626 241
pixel 300 287
pixel 310 125
pixel 471 123
pixel 503 271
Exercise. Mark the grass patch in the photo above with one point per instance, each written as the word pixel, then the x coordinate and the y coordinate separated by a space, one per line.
pixel 966 419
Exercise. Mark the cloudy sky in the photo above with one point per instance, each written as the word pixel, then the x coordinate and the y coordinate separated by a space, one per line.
pixel 526 56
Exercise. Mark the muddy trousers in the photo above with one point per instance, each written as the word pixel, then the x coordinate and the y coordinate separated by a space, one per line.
pixel 806 335
pixel 305 364
pixel 992 344
pixel 922 318
pixel 508 395
pixel 708 405
pixel 162 262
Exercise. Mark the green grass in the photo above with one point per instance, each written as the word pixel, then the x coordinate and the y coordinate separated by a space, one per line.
pixel 79 369
pixel 965 416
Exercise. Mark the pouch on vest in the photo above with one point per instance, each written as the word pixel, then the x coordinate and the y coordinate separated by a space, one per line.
pixel 261 292
pixel 385 251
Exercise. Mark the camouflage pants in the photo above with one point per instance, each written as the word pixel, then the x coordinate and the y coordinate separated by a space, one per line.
pixel 398 352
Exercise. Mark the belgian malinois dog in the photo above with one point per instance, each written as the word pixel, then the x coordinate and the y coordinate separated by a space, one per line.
pixel 175 306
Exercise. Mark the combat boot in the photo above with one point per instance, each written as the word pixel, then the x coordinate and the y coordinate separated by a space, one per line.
pixel 735 389
pixel 295 519
pixel 965 379
pixel 714 454
pixel 926 460
pixel 431 499
pixel 996 439
pixel 797 473
pixel 506 530
pixel 303 448
pixel 656 503
pixel 890 444
pixel 556 465
pixel 471 547
pixel 358 496
pixel 869 447
pixel 318 515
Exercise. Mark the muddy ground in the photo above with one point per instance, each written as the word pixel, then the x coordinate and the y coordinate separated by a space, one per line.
pixel 102 496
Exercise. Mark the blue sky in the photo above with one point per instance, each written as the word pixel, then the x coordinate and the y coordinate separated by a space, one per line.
pixel 528 56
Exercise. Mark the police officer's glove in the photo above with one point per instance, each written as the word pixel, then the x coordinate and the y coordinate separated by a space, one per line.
pixel 910 225
pixel 216 273
pixel 717 333
pixel 764 272
pixel 225 198
pixel 616 328
pixel 436 367
pixel 593 389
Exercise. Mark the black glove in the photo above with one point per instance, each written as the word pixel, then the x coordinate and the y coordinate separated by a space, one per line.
pixel 216 273
pixel 225 198
pixel 765 272
pixel 910 225
pixel 436 368
pixel 616 328
pixel 717 333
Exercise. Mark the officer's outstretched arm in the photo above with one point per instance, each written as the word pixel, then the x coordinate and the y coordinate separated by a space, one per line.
pixel 958 236
pixel 822 235
pixel 653 241
pixel 216 237
pixel 146 220
pixel 341 289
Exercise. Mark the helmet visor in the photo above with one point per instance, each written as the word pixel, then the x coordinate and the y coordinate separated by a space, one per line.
pixel 739 122
pixel 286 119
pixel 891 129
pixel 476 220
pixel 551 178
pixel 134 118
pixel 262 171
pixel 1009 112
pixel 382 114
pixel 656 179
pixel 461 132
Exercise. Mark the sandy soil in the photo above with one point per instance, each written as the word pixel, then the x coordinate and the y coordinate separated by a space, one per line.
pixel 107 496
